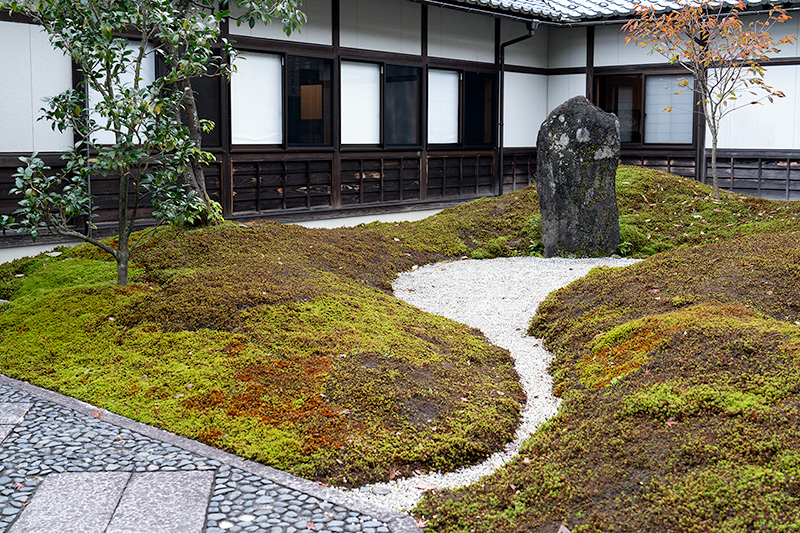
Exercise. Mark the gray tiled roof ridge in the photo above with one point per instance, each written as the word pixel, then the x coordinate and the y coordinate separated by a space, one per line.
pixel 582 10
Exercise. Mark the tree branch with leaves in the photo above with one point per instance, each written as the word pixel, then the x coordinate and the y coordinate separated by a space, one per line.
pixel 126 126
pixel 723 54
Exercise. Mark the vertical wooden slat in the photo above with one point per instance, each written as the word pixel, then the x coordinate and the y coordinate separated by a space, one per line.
pixel 308 184
pixel 461 176
pixel 760 173
pixel 361 181
pixel 514 173
pixel 788 176
pixel 382 182
pixel 283 184
pixel 400 180
pixel 444 177
pixel 258 185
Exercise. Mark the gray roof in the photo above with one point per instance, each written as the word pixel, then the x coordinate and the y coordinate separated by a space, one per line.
pixel 578 10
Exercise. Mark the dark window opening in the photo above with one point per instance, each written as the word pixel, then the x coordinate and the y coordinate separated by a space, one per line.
pixel 309 96
pixel 622 95
pixel 478 113
pixel 401 121
pixel 208 100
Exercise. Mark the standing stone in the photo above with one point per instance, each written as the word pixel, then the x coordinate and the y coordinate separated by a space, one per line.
pixel 578 153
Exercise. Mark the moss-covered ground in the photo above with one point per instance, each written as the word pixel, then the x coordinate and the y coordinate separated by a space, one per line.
pixel 284 344
pixel 680 377
pixel 279 343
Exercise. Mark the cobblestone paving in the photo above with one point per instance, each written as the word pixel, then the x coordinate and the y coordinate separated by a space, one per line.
pixel 41 438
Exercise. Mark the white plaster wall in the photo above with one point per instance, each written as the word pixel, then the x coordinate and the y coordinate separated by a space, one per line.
pixel 318 29
pixel 562 88
pixel 529 53
pixel 770 125
pixel 779 31
pixel 458 35
pixel 361 103
pixel 525 108
pixel 567 47
pixel 385 25
pixel 610 49
pixel 256 96
pixel 32 70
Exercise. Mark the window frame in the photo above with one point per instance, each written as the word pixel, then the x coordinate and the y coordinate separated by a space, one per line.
pixel 642 75
pixel 461 144
pixel 381 144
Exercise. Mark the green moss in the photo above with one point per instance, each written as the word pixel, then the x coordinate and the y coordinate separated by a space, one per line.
pixel 275 342
pixel 679 377
pixel 283 344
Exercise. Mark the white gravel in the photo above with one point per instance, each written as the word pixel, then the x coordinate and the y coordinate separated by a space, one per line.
pixel 499 297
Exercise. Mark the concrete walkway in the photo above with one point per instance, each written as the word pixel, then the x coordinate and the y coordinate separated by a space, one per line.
pixel 66 466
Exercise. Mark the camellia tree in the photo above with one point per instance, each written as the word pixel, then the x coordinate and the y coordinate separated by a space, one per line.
pixel 723 53
pixel 128 123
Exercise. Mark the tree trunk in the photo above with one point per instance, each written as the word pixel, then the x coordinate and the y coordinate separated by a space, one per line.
pixel 122 248
pixel 714 173
pixel 122 262
pixel 195 178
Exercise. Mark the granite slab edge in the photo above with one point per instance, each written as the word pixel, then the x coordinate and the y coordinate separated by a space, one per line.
pixel 397 522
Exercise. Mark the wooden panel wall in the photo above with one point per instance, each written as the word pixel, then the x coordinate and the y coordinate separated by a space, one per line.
pixel 680 162
pixel 273 183
pixel 459 174
pixel 519 169
pixel 767 174
pixel 374 179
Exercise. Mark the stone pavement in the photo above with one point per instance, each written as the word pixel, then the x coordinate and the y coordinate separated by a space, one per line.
pixel 66 466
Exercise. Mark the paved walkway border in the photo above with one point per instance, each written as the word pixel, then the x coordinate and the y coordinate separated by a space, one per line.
pixel 397 522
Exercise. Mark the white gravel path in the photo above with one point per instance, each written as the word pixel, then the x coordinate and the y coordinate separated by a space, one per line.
pixel 499 297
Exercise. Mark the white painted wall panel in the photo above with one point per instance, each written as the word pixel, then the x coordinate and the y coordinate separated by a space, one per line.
pixel 525 108
pixel 610 49
pixel 361 103
pixel 779 31
pixel 770 125
pixel 51 75
pixel 32 71
pixel 442 106
pixel 147 76
pixel 529 53
pixel 567 47
pixel 318 29
pixel 385 25
pixel 458 35
pixel 668 110
pixel 16 113
pixel 562 88
pixel 257 100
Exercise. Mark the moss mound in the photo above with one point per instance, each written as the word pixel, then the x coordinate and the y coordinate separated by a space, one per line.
pixel 681 385
pixel 659 212
pixel 283 344
pixel 279 343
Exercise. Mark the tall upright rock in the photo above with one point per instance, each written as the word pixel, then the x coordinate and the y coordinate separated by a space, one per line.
pixel 578 154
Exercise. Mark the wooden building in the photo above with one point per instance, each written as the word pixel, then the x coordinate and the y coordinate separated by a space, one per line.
pixel 382 105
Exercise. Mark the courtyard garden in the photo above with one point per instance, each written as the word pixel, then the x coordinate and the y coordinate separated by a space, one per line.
pixel 285 345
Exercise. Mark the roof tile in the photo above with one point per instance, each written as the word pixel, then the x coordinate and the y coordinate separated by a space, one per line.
pixel 577 10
